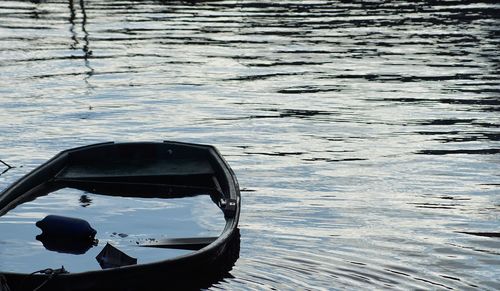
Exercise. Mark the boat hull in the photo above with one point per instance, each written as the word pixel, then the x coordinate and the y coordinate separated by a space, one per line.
pixel 125 169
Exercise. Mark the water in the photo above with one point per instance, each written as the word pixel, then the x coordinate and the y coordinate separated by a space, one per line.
pixel 134 222
pixel 365 135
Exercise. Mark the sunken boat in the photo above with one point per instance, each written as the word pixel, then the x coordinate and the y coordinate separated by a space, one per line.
pixel 160 169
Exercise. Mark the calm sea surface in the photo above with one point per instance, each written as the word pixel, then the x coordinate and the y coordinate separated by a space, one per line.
pixel 365 134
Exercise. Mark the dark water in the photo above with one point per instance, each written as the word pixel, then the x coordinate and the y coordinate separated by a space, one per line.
pixel 365 134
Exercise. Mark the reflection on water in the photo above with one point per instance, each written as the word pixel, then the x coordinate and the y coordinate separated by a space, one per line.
pixel 367 132
pixel 124 222
pixel 85 200
pixel 86 50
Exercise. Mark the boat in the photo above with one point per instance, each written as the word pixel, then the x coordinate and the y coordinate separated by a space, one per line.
pixel 162 170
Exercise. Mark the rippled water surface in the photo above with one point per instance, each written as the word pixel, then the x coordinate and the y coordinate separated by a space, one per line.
pixel 365 134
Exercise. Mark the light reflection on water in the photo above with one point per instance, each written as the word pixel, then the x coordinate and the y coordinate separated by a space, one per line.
pixel 123 222
pixel 365 134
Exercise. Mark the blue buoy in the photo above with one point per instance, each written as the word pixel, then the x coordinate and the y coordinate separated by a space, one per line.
pixel 56 226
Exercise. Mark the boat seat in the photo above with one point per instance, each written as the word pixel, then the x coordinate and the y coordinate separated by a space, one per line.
pixel 136 168
pixel 175 178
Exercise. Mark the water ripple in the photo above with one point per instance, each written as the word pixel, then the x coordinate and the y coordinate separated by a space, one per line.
pixel 366 133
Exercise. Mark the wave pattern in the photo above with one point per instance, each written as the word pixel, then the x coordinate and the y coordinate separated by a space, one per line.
pixel 365 133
